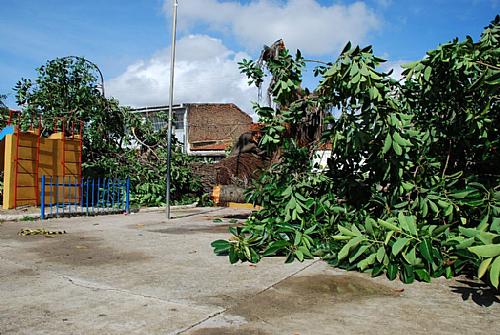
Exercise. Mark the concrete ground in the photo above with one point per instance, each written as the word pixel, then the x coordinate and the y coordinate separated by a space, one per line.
pixel 139 274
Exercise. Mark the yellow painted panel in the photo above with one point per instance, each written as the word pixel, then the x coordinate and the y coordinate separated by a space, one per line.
pixel 28 140
pixel 26 167
pixel 72 169
pixel 8 177
pixel 72 156
pixel 25 180
pixel 27 153
pixel 50 157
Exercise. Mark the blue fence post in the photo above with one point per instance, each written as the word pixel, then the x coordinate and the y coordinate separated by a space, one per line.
pixel 93 195
pixel 87 197
pixel 113 194
pixel 77 192
pixel 42 203
pixel 57 196
pixel 98 192
pixel 82 185
pixel 51 197
pixel 63 194
pixel 127 196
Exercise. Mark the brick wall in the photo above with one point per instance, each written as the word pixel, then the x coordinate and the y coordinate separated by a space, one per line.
pixel 216 122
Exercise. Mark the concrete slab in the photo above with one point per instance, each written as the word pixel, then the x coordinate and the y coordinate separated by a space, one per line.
pixel 143 274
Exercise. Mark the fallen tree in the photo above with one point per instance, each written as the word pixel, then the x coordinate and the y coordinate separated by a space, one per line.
pixel 411 189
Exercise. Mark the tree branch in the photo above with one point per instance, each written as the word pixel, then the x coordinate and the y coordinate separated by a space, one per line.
pixel 316 61
pixel 488 65
pixel 144 144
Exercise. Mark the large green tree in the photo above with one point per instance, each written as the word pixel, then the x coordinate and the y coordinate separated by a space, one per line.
pixel 411 189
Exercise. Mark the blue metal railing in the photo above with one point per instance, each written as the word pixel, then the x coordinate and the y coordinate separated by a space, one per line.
pixel 66 196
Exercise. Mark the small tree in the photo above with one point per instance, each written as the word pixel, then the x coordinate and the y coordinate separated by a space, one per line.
pixel 67 88
pixel 115 142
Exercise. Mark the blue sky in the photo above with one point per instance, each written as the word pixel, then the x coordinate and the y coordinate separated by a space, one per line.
pixel 129 40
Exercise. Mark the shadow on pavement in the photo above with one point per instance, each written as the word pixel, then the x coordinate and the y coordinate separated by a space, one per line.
pixel 481 293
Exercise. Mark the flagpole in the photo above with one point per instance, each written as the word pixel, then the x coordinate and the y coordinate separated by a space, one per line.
pixel 171 99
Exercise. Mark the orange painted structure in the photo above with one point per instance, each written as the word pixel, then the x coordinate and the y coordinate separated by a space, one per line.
pixel 27 156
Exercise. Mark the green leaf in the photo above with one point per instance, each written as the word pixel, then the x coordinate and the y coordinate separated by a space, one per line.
pixel 408 275
pixel 233 256
pixel 423 275
pixel 369 224
pixel 468 232
pixel 465 243
pixel 299 254
pixel 408 186
pixel 274 247
pixel 439 230
pixel 388 236
pixel 221 246
pixel 387 143
pixel 397 148
pixel 310 229
pixel 495 225
pixel 380 254
pixel 392 271
pixel 491 250
pixel 401 141
pixel 408 223
pixel 433 205
pixel 495 272
pixel 460 195
pixel 427 73
pixel 298 238
pixel 486 237
pixel 287 192
pixel 346 48
pixel 388 225
pixel 347 232
pixel 362 265
pixel 425 248
pixel 483 267
pixel 345 249
pixel 411 257
pixel 305 251
pixel 424 207
pixel 360 251
pixel 399 245
pixel 290 257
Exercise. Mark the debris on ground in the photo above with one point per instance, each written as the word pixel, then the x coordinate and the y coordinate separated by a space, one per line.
pixel 40 231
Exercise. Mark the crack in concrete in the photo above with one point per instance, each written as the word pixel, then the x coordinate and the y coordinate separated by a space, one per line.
pixel 99 287
pixel 92 285
pixel 213 315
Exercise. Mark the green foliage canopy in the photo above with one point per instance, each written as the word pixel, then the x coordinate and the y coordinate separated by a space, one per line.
pixel 411 188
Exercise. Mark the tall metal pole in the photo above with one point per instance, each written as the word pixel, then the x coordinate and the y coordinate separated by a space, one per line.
pixel 170 113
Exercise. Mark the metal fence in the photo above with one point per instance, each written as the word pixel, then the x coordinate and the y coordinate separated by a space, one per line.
pixel 71 196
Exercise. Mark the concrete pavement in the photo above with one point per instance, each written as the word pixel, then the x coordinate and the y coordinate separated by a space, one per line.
pixel 142 274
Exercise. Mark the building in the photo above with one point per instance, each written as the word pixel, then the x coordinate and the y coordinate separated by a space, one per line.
pixel 204 129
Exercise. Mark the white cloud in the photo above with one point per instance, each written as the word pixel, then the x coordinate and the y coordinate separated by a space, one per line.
pixel 303 24
pixel 395 66
pixel 384 3
pixel 205 71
